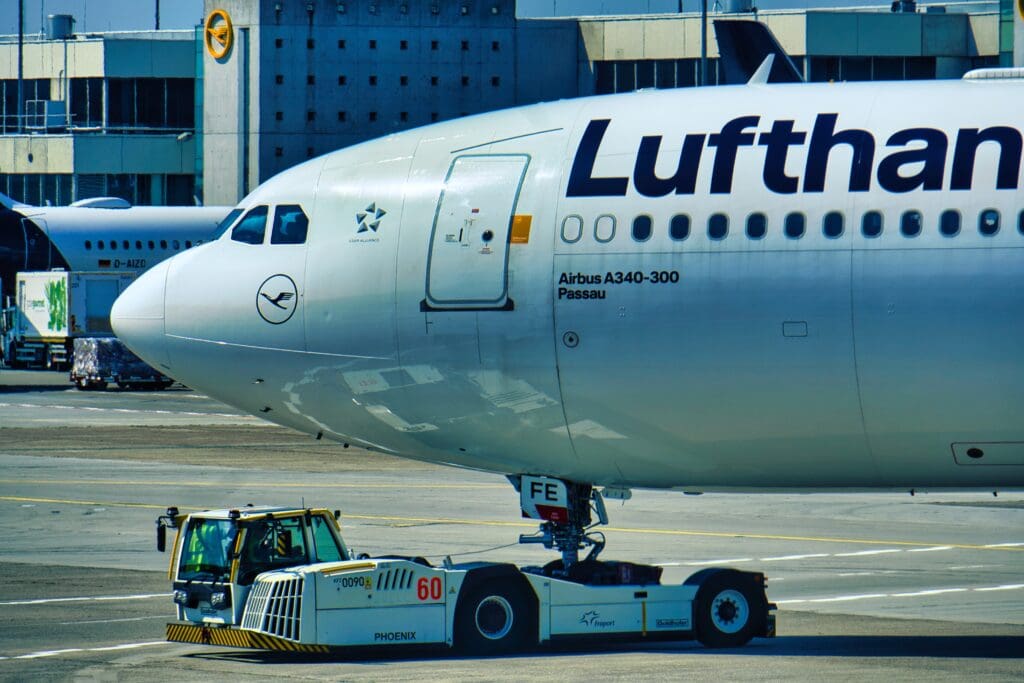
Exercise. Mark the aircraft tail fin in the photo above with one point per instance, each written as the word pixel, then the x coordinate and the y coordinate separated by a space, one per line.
pixel 744 46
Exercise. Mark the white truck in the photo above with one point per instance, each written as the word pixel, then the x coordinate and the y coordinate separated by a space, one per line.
pixel 283 579
pixel 52 308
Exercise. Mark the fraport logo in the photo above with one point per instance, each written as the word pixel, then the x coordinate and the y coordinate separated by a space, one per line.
pixel 369 220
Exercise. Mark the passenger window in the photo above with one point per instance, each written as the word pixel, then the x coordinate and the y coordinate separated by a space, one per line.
pixel 795 226
pixel 871 224
pixel 251 228
pixel 604 228
pixel 832 225
pixel 757 226
pixel 290 225
pixel 572 229
pixel 679 227
pixel 988 222
pixel 177 245
pixel 151 245
pixel 910 223
pixel 88 245
pixel 138 244
pixel 718 226
pixel 1020 223
pixel 113 245
pixel 188 244
pixel 642 228
pixel 949 223
pixel 126 244
pixel 163 244
pixel 99 245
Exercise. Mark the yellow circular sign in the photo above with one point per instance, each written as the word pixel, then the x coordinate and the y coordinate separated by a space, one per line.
pixel 1020 8
pixel 218 34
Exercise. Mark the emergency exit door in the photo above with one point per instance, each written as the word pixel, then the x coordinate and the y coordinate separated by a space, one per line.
pixel 467 266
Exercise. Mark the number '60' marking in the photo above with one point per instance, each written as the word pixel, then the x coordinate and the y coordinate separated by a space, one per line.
pixel 429 589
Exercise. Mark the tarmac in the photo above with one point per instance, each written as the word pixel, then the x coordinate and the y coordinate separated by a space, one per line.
pixel 869 586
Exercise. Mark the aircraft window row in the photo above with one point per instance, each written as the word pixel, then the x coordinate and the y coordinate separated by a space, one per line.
pixel 290 225
pixel 114 245
pixel 872 224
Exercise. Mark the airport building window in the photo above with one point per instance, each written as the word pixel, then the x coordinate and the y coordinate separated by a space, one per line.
pixel 604 228
pixel 572 229
pixel 310 43
pixel 495 81
pixel 342 116
pixel 757 226
pixel 278 42
pixel 310 153
pixel 718 226
pixel 988 222
pixel 679 227
pixel 832 225
pixel 373 116
pixel 949 223
pixel 279 151
pixel 310 79
pixel 290 225
pixel 403 45
pixel 403 80
pixel 279 116
pixel 794 225
pixel 373 80
pixel 434 116
pixel 403 116
pixel 642 228
pixel 311 115
pixel 465 81
pixel 465 46
pixel 342 80
pixel 910 223
pixel 373 44
pixel 250 229
pixel 279 79
pixel 871 224
pixel 434 80
pixel 433 45
pixel 88 245
pixel 341 44
pixel 495 46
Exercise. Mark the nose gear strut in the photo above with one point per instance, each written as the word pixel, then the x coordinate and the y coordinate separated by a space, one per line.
pixel 566 508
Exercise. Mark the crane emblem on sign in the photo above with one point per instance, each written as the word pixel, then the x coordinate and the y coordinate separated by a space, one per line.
pixel 218 34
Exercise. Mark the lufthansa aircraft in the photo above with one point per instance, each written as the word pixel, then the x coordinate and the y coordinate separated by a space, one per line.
pixel 102 233
pixel 755 287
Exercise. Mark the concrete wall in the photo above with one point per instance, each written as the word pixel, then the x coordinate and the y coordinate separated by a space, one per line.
pixel 96 154
pixel 168 54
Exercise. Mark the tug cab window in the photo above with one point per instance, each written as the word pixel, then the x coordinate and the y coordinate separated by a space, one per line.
pixel 290 225
pixel 251 228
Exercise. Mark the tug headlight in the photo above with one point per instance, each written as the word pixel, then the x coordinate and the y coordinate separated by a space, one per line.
pixel 184 598
pixel 220 600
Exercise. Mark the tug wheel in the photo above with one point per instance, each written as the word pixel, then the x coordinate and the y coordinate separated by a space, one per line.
pixel 492 618
pixel 727 609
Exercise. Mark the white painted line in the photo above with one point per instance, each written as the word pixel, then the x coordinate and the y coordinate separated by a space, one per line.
pixel 847 598
pixel 857 574
pixel 110 621
pixel 862 553
pixel 930 550
pixel 701 563
pixel 97 598
pixel 933 591
pixel 1007 587
pixel 783 558
pixel 108 648
pixel 1003 545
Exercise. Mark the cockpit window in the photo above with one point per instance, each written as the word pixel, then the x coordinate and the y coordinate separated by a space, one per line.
pixel 252 227
pixel 223 226
pixel 290 225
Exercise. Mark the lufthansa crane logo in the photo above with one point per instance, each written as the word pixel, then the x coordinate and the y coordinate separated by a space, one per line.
pixel 277 299
pixel 218 34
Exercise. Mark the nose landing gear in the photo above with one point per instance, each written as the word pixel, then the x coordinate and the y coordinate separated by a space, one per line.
pixel 566 510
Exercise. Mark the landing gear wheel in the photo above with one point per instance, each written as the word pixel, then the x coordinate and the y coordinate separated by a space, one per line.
pixel 90 385
pixel 727 609
pixel 492 618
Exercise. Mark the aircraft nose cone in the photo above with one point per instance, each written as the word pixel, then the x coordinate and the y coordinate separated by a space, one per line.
pixel 137 317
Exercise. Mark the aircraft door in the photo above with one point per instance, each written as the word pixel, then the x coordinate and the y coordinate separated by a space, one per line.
pixel 467 264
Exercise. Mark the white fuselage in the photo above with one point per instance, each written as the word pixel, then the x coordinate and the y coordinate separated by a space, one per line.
pixel 547 290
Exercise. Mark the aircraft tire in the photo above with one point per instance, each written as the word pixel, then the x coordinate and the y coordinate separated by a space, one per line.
pixel 727 610
pixel 493 618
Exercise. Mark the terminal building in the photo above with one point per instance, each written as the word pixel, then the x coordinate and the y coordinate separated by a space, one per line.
pixel 162 117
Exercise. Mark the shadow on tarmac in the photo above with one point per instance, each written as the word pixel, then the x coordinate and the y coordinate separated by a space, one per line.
pixel 940 647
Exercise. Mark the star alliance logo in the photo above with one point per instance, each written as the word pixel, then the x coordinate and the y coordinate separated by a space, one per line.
pixel 369 220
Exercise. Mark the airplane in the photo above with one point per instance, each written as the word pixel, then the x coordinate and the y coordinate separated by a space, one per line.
pixel 96 234
pixel 760 287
